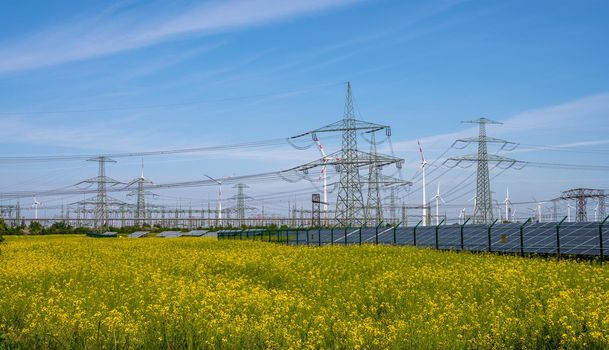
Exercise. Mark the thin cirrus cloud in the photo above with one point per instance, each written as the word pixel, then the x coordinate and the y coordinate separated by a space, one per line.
pixel 575 115
pixel 115 31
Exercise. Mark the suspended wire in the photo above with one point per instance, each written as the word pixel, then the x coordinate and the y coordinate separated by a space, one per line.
pixel 568 166
pixel 254 144
pixel 461 184
pixel 474 189
pixel 420 172
pixel 167 105
pixel 571 149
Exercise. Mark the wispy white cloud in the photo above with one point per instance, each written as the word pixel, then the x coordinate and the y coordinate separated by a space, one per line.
pixel 584 114
pixel 115 30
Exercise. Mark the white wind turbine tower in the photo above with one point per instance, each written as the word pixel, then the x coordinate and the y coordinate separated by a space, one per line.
pixel 539 204
pixel 462 216
pixel 219 182
pixel 35 205
pixel 324 175
pixel 508 204
pixel 423 165
pixel 438 198
pixel 474 199
pixel 596 212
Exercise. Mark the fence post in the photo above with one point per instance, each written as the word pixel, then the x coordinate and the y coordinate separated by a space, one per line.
pixel 395 228
pixel 462 227
pixel 376 233
pixel 558 237
pixel 522 236
pixel 600 239
pixel 489 234
pixel 345 236
pixel 414 233
pixel 319 237
pixel 287 236
pixel 437 236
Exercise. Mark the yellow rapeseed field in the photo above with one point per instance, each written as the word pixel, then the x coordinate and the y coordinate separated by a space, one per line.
pixel 77 292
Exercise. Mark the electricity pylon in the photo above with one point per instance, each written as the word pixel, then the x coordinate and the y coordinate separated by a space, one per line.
pixel 101 201
pixel 483 211
pixel 350 208
pixel 349 202
pixel 140 193
pixel 241 198
pixel 581 196
pixel 374 206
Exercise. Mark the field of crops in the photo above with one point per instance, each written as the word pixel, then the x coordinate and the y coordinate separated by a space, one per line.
pixel 58 292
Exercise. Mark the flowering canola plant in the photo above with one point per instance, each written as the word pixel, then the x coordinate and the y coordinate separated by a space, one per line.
pixel 78 292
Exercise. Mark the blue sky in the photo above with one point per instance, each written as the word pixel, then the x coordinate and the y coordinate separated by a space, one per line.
pixel 92 77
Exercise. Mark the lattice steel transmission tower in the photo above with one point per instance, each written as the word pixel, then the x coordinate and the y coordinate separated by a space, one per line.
pixel 350 208
pixel 241 207
pixel 581 196
pixel 374 206
pixel 140 193
pixel 349 201
pixel 101 201
pixel 483 210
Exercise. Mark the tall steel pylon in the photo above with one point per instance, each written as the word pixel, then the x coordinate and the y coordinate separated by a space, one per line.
pixel 101 208
pixel 241 205
pixel 374 208
pixel 349 201
pixel 240 200
pixel 483 212
pixel 140 193
pixel 581 196
pixel 483 209
pixel 350 208
pixel 101 201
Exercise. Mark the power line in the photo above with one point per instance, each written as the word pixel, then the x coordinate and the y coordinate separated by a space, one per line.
pixel 167 105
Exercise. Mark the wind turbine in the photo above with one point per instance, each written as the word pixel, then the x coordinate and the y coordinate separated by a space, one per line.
pixel 596 212
pixel 508 204
pixel 462 216
pixel 219 182
pixel 438 198
pixel 35 205
pixel 475 199
pixel 423 165
pixel 324 175
pixel 539 204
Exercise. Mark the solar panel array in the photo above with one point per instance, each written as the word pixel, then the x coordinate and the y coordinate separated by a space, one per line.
pixel 582 239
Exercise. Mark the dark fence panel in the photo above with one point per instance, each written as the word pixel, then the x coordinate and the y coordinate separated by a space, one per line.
pixel 564 238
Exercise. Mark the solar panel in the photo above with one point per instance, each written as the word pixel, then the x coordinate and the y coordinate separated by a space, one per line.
pixel 170 234
pixel 195 233
pixel 138 234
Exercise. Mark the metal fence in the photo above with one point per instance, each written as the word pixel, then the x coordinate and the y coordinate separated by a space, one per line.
pixel 590 239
